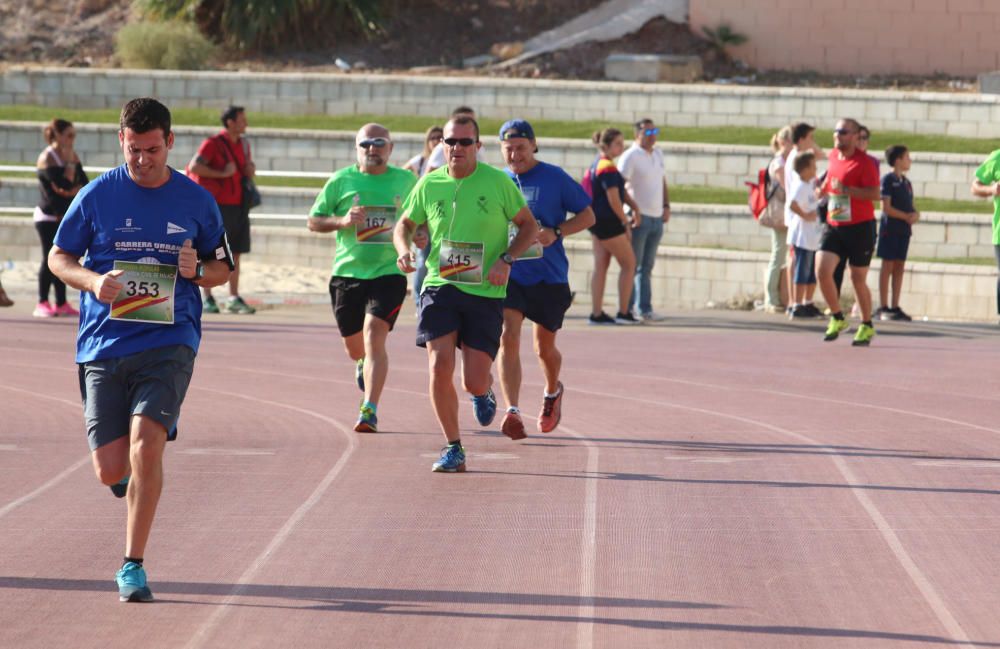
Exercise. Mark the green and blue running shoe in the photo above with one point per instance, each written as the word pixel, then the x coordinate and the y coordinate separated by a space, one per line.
pixel 485 407
pixel 132 583
pixel 452 460
pixel 210 305
pixel 864 336
pixel 359 374
pixel 367 421
pixel 835 328
pixel 119 489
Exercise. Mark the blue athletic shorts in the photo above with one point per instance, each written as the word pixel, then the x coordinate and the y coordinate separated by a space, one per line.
pixel 478 320
pixel 151 383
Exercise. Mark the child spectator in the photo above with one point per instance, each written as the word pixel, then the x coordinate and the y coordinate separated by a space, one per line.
pixel 804 235
pixel 895 227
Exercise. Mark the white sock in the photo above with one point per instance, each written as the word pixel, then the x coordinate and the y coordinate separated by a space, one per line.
pixel 514 409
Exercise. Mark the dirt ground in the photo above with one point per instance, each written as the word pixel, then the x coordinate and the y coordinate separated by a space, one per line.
pixel 420 37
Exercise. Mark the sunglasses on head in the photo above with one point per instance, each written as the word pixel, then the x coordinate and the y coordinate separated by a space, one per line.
pixel 459 141
pixel 842 131
pixel 377 142
pixel 651 131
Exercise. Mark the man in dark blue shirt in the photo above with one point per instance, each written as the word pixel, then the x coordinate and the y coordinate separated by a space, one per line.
pixel 538 288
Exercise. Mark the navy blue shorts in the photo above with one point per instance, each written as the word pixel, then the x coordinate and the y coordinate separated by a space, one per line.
pixel 353 298
pixel 478 320
pixel 804 269
pixel 543 304
pixel 892 247
pixel 151 383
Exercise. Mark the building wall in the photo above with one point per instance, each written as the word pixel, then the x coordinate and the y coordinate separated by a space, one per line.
pixel 957 37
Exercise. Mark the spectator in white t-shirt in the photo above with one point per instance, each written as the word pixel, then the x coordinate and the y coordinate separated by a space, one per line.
pixel 642 168
pixel 418 163
pixel 437 159
pixel 802 138
pixel 804 235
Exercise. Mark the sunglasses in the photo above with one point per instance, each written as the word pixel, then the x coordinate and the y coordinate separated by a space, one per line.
pixel 377 142
pixel 651 131
pixel 843 131
pixel 459 141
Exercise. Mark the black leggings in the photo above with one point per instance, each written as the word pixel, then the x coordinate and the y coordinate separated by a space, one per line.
pixel 47 234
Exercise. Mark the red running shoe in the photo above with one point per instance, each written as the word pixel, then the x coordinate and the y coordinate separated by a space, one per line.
pixel 551 412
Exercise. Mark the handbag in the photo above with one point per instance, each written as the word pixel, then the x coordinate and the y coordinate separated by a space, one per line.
pixel 248 188
pixel 251 196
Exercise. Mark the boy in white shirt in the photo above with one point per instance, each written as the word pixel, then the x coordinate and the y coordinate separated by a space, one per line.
pixel 804 235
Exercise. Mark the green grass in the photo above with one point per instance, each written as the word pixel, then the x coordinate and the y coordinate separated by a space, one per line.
pixel 735 135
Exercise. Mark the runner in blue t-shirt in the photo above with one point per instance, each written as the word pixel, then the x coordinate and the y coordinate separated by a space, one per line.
pixel 538 288
pixel 150 238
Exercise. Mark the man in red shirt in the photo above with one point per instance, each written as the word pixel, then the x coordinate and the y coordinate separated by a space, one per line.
pixel 852 183
pixel 221 163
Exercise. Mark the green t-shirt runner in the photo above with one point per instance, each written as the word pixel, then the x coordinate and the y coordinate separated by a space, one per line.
pixel 463 249
pixel 989 173
pixel 365 251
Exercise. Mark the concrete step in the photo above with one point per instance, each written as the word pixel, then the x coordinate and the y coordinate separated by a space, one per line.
pixel 934 175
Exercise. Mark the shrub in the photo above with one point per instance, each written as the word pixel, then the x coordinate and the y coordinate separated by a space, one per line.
pixel 269 24
pixel 162 46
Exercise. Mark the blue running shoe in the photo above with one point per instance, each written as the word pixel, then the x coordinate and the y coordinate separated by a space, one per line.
pixel 359 374
pixel 485 407
pixel 367 421
pixel 132 583
pixel 119 489
pixel 452 460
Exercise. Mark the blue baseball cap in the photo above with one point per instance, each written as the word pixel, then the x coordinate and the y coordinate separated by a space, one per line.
pixel 516 128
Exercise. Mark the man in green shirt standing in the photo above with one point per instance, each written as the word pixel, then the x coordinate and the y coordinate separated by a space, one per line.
pixel 468 207
pixel 987 185
pixel 360 204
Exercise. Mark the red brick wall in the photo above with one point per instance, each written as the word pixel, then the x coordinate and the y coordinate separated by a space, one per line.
pixel 960 37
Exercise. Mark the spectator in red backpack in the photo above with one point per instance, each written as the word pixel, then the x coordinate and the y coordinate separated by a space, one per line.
pixel 220 165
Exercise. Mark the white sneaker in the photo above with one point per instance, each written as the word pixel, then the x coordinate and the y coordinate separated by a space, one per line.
pixel 653 316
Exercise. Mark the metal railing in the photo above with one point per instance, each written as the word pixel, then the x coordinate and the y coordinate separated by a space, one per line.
pixel 254 216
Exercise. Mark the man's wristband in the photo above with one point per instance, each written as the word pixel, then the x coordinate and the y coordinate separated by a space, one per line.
pixel 199 270
pixel 557 231
pixel 507 258
pixel 667 204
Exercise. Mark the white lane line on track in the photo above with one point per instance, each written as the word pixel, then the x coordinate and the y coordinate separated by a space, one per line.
pixel 588 554
pixel 919 579
pixel 65 473
pixel 203 633
pixel 813 397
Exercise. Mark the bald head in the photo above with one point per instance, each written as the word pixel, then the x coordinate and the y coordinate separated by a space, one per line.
pixel 373 147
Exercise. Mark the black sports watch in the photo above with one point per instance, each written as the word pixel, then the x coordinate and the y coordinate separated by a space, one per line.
pixel 558 232
pixel 199 270
pixel 507 258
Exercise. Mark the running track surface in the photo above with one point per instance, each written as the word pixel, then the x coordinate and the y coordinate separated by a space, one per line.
pixel 723 480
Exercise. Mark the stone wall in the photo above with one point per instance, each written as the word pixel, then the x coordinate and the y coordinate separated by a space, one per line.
pixel 962 114
pixel 934 175
pixel 684 278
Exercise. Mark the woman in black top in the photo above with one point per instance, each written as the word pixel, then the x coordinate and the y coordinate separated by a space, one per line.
pixel 612 231
pixel 60 177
